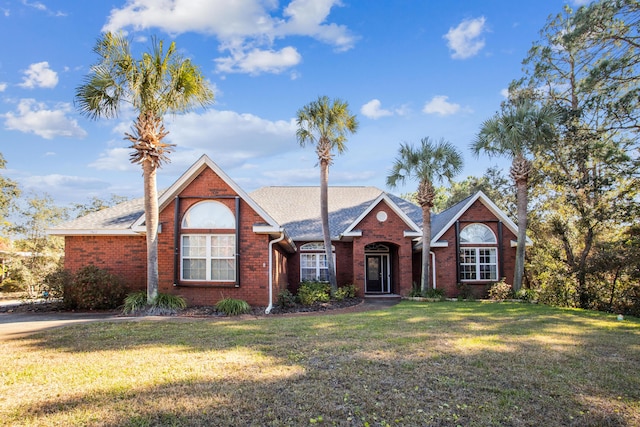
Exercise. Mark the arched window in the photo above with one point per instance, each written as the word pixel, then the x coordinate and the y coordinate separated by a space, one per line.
pixel 313 262
pixel 209 257
pixel 479 263
pixel 209 214
pixel 477 233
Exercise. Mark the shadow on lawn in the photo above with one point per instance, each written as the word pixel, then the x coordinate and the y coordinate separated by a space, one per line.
pixel 413 364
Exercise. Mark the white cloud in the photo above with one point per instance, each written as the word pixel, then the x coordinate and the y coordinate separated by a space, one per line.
pixel 373 110
pixel 465 40
pixel 257 61
pixel 39 75
pixel 230 138
pixel 3 86
pixel 439 105
pixel 505 93
pixel 34 117
pixel 245 28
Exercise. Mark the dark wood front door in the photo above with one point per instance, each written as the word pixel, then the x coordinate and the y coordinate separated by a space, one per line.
pixel 377 274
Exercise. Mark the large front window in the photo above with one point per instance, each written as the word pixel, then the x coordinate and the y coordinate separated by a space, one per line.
pixel 313 262
pixel 208 249
pixel 478 264
pixel 209 257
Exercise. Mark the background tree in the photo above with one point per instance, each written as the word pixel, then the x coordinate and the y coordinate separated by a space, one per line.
pixel 37 254
pixel 9 194
pixel 517 132
pixel 158 83
pixel 96 204
pixel 586 66
pixel 325 124
pixel 426 163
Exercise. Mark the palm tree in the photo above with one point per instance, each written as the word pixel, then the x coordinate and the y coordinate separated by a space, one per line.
pixel 159 83
pixel 426 163
pixel 324 124
pixel 518 131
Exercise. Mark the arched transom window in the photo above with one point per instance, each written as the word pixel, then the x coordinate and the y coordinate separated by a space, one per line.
pixel 209 214
pixel 478 263
pixel 208 257
pixel 477 233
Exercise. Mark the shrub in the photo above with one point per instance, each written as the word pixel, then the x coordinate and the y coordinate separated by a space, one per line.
pixel 500 291
pixel 55 282
pixel 345 291
pixel 527 295
pixel 233 307
pixel 312 292
pixel 285 299
pixel 164 303
pixel 433 293
pixel 93 288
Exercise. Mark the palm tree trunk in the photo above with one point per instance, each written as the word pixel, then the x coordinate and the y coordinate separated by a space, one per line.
pixel 426 247
pixel 324 217
pixel 522 201
pixel 151 222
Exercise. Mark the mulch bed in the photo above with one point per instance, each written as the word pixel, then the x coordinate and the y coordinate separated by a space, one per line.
pixel 348 304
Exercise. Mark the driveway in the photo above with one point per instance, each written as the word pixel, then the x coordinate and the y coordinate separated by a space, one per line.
pixel 17 325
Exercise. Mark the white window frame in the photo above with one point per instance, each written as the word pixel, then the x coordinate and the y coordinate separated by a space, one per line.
pixel 209 256
pixel 316 252
pixel 477 271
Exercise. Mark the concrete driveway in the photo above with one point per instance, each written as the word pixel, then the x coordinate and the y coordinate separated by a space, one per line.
pixel 17 325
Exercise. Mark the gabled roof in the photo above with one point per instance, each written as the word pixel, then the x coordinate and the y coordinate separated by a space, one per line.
pixel 128 218
pixel 414 229
pixel 441 222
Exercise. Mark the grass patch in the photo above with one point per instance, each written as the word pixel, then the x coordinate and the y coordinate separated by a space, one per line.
pixel 452 363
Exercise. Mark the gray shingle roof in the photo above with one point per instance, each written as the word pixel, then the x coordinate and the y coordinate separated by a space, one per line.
pixel 117 218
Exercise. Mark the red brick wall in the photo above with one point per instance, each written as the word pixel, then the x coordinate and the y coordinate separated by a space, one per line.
pixel 344 264
pixel 125 256
pixel 253 273
pixel 391 233
pixel 446 258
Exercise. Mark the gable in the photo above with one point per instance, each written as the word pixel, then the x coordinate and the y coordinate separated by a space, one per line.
pixel 383 206
pixel 478 202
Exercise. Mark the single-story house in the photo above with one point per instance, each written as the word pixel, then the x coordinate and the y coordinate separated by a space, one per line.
pixel 216 241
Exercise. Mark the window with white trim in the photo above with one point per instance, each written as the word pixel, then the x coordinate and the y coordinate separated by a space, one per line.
pixel 313 262
pixel 208 256
pixel 478 263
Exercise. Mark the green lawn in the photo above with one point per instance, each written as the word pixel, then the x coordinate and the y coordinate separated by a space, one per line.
pixel 416 364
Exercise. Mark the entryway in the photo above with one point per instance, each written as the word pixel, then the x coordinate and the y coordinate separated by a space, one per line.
pixel 377 269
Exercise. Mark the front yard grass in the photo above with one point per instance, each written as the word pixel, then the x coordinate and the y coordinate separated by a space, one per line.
pixel 415 364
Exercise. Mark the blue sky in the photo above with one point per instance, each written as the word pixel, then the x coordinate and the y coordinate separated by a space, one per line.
pixel 408 68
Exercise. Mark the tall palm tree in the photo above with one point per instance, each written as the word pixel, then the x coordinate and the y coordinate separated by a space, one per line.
pixel 158 83
pixel 426 163
pixel 325 124
pixel 518 131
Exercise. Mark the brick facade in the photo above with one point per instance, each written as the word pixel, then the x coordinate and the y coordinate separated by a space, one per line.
pixel 446 258
pixel 125 255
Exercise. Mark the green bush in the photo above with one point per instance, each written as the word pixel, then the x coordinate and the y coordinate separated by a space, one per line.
pixel 285 299
pixel 164 303
pixel 93 288
pixel 527 295
pixel 55 282
pixel 345 291
pixel 500 291
pixel 233 307
pixel 312 292
pixel 433 293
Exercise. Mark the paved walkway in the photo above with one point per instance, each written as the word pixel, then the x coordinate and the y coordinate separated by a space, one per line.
pixel 18 325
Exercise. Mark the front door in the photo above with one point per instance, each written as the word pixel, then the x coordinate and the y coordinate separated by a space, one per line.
pixel 377 274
